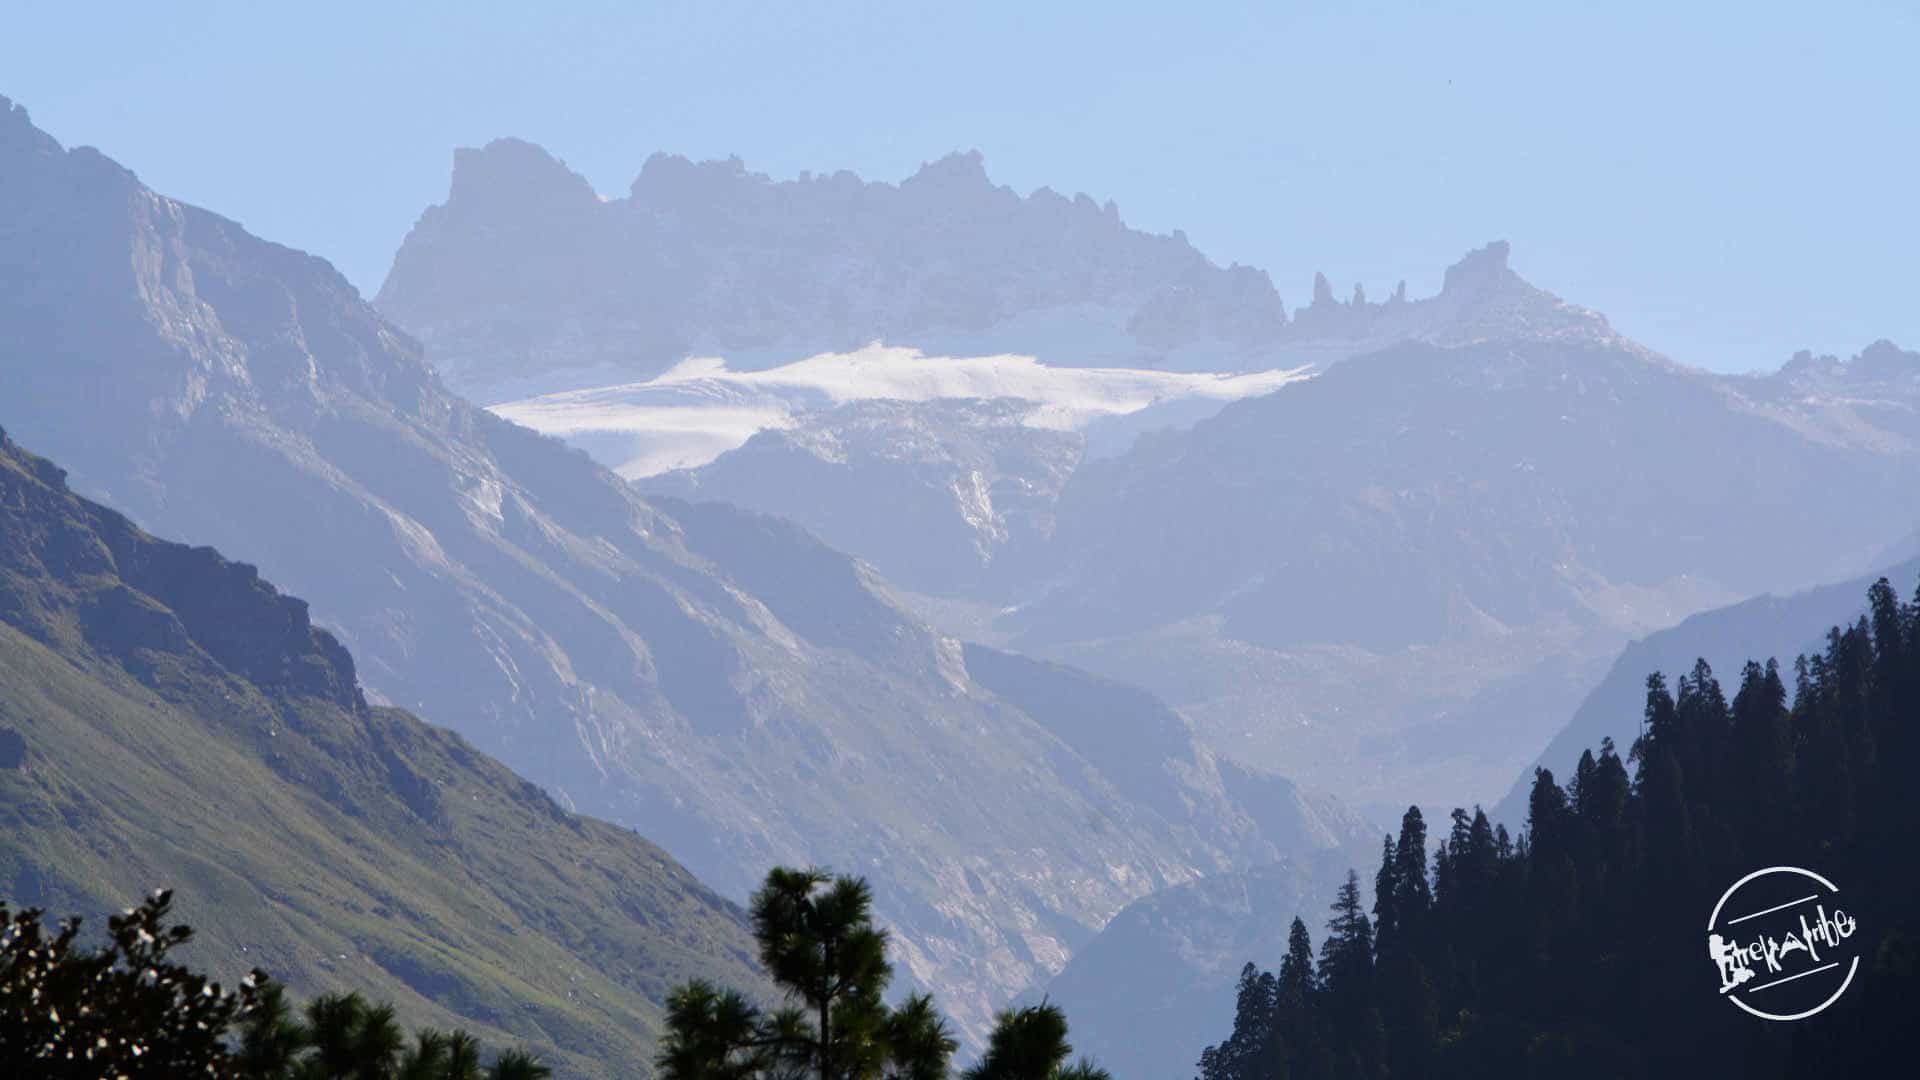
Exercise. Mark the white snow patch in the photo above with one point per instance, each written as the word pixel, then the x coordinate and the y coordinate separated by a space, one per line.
pixel 701 408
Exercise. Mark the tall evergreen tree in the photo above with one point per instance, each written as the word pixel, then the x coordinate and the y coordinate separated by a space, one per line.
pixel 1386 897
pixel 1547 817
pixel 1413 895
pixel 1346 955
pixel 1761 754
pixel 1296 968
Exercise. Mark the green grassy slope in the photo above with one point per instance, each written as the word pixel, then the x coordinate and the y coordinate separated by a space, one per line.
pixel 183 726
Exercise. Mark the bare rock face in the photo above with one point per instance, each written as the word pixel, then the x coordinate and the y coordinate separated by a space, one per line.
pixel 717 679
pixel 933 494
pixel 525 281
pixel 1481 299
pixel 524 273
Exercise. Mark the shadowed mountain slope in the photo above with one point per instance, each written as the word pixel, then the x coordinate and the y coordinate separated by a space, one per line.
pixel 169 719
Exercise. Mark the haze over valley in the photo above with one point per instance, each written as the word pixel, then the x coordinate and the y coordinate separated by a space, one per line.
pixel 759 622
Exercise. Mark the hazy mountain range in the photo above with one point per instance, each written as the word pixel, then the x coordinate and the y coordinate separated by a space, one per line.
pixel 977 543
pixel 1405 561
pixel 525 269
pixel 719 680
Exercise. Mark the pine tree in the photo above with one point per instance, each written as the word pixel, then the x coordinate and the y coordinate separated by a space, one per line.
pixel 1413 895
pixel 1386 896
pixel 1296 968
pixel 1246 1054
pixel 1346 956
pixel 1031 1044
pixel 817 940
pixel 1762 756
pixel 1547 816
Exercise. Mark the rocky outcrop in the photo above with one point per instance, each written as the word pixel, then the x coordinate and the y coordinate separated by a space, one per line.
pixel 525 282
pixel 159 596
pixel 1481 299
pixel 522 273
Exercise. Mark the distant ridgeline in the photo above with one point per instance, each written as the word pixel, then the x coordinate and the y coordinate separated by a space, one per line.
pixel 1586 946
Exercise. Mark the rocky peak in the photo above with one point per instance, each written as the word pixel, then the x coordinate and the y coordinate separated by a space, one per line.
pixel 956 171
pixel 510 173
pixel 18 134
pixel 1322 290
pixel 1885 360
pixel 1481 299
pixel 1479 271
pixel 711 256
pixel 671 180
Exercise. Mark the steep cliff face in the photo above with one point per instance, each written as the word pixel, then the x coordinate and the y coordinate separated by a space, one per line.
pixel 717 679
pixel 169 719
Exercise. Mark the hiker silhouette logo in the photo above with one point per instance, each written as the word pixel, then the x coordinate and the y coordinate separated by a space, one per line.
pixel 1783 946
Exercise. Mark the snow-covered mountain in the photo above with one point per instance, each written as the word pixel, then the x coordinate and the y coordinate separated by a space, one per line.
pixel 1404 562
pixel 715 678
pixel 525 281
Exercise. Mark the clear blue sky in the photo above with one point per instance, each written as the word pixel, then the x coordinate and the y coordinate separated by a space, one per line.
pixel 1729 182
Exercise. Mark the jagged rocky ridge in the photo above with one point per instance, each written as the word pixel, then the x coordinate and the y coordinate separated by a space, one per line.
pixel 718 679
pixel 525 278
pixel 169 719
